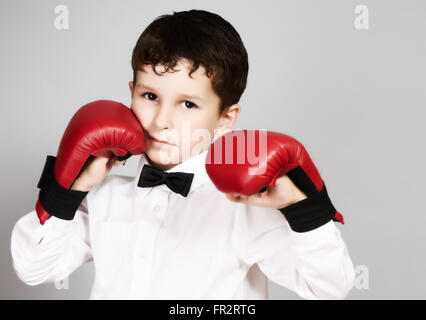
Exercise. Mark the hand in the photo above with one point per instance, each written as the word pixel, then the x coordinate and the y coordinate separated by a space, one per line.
pixel 243 181
pixel 95 172
pixel 283 194
pixel 99 128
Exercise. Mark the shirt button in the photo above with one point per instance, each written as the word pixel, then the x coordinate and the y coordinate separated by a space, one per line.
pixel 157 208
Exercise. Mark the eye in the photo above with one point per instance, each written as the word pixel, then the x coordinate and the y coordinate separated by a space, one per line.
pixel 189 105
pixel 150 96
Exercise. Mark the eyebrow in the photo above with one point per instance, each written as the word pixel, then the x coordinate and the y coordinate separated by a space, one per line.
pixel 185 96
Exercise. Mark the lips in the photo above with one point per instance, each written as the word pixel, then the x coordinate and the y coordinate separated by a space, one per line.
pixel 157 140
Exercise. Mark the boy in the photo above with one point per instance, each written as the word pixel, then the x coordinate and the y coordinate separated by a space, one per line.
pixel 189 72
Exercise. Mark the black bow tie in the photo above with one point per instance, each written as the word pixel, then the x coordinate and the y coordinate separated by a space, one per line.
pixel 179 182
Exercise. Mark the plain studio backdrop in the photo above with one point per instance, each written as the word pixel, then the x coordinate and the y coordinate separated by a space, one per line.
pixel 346 78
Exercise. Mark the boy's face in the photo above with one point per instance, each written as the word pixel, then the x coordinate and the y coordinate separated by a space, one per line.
pixel 180 111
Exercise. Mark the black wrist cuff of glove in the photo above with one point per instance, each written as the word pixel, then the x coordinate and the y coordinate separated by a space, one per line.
pixel 56 200
pixel 310 213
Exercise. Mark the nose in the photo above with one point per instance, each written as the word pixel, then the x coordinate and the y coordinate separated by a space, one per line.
pixel 163 117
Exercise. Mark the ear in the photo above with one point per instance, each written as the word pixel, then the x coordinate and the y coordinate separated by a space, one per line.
pixel 228 119
pixel 131 88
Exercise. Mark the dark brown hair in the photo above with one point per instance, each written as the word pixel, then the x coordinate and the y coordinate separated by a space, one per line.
pixel 205 39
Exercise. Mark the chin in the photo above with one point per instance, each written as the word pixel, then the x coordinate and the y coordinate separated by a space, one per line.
pixel 163 157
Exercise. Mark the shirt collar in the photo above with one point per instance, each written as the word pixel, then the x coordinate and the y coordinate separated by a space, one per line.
pixel 195 165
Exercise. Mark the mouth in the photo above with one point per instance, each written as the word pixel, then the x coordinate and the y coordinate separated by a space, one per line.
pixel 157 141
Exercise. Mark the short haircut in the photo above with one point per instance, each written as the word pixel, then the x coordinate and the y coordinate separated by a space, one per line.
pixel 205 39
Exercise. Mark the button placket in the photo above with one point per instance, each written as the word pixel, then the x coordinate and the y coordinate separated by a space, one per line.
pixel 148 228
pixel 142 264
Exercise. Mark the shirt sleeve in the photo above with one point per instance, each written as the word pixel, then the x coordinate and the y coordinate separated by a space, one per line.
pixel 50 252
pixel 314 264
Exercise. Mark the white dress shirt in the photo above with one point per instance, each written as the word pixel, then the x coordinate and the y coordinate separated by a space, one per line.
pixel 152 243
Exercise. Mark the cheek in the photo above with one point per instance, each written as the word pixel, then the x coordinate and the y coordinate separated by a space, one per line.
pixel 202 130
pixel 204 120
pixel 207 123
pixel 142 113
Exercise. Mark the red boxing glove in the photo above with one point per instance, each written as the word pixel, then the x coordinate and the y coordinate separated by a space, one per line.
pixel 99 128
pixel 245 162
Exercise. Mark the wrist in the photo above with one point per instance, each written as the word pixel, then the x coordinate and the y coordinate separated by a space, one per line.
pixel 309 213
pixel 79 185
pixel 297 196
pixel 292 197
pixel 54 199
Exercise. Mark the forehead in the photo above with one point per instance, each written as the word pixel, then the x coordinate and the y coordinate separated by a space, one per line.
pixel 177 80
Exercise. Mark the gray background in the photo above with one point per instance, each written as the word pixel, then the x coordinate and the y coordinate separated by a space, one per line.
pixel 355 98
